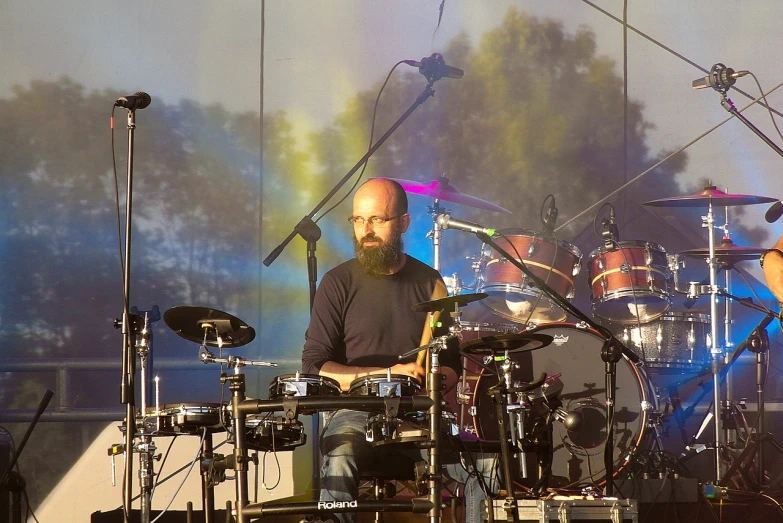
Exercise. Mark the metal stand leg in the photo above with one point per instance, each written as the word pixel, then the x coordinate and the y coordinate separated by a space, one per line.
pixel 207 487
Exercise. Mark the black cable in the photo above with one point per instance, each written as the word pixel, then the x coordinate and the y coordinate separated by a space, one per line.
pixel 667 49
pixel 372 132
pixel 160 469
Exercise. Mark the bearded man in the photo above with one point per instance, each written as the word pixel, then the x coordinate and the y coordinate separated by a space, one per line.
pixel 362 321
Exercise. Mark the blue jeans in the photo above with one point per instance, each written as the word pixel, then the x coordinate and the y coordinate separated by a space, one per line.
pixel 346 452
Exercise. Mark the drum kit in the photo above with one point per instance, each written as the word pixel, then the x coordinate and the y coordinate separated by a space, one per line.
pixel 531 383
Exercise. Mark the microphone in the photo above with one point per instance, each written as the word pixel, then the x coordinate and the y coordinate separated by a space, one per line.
pixel 435 68
pixel 571 419
pixel 774 212
pixel 720 76
pixel 447 222
pixel 550 218
pixel 610 233
pixel 139 100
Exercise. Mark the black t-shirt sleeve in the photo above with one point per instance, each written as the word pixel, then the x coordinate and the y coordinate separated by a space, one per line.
pixel 324 337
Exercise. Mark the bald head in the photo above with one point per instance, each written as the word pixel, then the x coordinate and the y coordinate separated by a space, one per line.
pixel 384 190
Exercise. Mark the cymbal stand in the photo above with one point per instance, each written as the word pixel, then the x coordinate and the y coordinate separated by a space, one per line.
pixel 436 234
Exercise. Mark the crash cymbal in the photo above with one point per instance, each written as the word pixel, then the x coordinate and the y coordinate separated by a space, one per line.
pixel 441 189
pixel 448 302
pixel 491 345
pixel 727 252
pixel 709 195
pixel 191 322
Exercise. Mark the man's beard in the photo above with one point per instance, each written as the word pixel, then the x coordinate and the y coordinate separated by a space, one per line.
pixel 380 259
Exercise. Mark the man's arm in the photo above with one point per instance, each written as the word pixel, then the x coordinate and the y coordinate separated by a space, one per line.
pixel 345 374
pixel 773 269
pixel 449 374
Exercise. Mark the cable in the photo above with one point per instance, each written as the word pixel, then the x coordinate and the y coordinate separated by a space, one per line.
pixel 160 469
pixel 658 163
pixel 665 48
pixel 372 132
pixel 195 460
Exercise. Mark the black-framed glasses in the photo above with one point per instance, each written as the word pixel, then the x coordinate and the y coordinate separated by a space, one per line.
pixel 375 221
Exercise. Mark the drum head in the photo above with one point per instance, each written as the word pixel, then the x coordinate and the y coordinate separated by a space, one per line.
pixel 576 355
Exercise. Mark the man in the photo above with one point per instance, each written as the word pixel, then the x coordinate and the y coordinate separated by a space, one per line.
pixel 362 320
pixel 772 262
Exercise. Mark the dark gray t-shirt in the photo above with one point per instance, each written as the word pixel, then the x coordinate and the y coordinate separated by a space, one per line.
pixel 364 320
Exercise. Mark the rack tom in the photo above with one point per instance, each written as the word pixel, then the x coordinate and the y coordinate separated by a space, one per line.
pixel 629 284
pixel 511 293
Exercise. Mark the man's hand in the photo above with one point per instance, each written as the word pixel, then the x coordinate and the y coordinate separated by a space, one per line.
pixel 412 369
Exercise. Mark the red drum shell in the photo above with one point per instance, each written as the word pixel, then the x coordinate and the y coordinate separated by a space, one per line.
pixel 634 277
pixel 511 294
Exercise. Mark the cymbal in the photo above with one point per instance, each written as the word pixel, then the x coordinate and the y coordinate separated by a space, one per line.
pixel 709 195
pixel 491 345
pixel 448 302
pixel 727 252
pixel 441 189
pixel 191 322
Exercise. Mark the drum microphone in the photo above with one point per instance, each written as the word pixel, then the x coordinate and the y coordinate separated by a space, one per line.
pixel 550 218
pixel 445 221
pixel 610 233
pixel 774 212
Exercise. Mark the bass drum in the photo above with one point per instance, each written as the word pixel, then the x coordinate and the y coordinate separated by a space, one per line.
pixel 575 354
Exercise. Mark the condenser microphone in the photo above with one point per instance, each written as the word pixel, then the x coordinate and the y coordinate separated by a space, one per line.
pixel 434 66
pixel 550 218
pixel 774 212
pixel 447 222
pixel 132 102
pixel 721 78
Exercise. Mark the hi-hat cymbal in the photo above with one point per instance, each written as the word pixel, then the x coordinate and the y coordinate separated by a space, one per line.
pixel 709 195
pixel 727 252
pixel 448 302
pixel 191 323
pixel 491 345
pixel 441 189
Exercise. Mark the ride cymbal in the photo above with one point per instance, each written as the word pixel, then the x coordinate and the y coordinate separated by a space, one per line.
pixel 492 345
pixel 710 195
pixel 448 302
pixel 441 189
pixel 191 322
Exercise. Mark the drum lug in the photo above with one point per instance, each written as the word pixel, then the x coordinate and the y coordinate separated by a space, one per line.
pixel 582 325
pixel 603 286
pixel 472 411
pixel 571 293
pixel 648 256
pixel 625 268
pixel 601 265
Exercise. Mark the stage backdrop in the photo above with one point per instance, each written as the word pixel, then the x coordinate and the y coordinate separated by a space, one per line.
pixel 260 107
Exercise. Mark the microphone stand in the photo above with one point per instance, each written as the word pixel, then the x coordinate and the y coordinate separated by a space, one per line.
pixel 129 330
pixel 611 352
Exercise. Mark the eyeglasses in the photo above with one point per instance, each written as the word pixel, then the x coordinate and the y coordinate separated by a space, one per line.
pixel 376 221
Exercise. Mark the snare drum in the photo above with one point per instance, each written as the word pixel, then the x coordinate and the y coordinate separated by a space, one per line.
pixel 175 419
pixel 629 284
pixel 299 385
pixel 511 294
pixel 411 429
pixel 382 386
pixel 677 342
pixel 273 434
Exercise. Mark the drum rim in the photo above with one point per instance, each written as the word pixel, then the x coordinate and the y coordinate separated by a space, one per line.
pixel 518 327
pixel 687 317
pixel 309 378
pixel 531 233
pixel 635 243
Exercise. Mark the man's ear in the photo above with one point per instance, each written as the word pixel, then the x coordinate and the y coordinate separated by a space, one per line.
pixel 405 221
